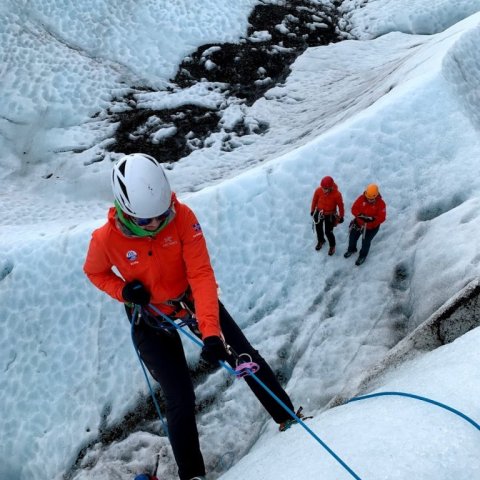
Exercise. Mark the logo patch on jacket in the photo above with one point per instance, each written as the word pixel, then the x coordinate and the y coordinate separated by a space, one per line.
pixel 132 255
pixel 169 241
pixel 197 230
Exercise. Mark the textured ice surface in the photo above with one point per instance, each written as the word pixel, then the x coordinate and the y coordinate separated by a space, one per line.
pixel 66 362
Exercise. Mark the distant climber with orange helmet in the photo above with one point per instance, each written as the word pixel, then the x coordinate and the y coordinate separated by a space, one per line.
pixel 370 212
pixel 327 210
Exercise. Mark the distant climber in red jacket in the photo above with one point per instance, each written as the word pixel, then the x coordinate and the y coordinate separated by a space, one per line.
pixel 327 210
pixel 152 251
pixel 370 212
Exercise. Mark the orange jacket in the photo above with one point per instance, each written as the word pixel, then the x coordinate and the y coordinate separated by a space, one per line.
pixel 328 202
pixel 376 209
pixel 166 264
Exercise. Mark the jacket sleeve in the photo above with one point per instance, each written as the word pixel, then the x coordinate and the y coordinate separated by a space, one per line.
pixel 200 275
pixel 98 269
pixel 356 207
pixel 314 201
pixel 381 213
pixel 341 207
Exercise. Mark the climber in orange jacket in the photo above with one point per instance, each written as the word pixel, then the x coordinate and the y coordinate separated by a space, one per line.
pixel 327 211
pixel 370 212
pixel 159 253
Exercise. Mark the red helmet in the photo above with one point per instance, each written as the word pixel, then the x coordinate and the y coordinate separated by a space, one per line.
pixel 327 182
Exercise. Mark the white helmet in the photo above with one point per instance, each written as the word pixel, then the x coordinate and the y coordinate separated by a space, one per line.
pixel 140 186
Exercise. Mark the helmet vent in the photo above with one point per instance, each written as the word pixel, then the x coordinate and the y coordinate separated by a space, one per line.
pixel 124 190
pixel 121 168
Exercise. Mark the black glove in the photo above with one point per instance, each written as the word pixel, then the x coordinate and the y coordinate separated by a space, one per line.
pixel 213 350
pixel 311 214
pixel 340 219
pixel 135 292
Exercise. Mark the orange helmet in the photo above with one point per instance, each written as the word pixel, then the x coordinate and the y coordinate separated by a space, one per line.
pixel 371 192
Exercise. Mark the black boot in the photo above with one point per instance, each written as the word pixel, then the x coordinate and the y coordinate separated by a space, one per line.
pixel 360 260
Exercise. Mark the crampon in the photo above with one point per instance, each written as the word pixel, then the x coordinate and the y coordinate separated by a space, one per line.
pixel 291 421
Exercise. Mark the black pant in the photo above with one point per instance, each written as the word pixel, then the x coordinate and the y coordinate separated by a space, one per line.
pixel 355 233
pixel 163 355
pixel 327 222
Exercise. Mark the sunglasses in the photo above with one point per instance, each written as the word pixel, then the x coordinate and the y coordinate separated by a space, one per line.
pixel 143 222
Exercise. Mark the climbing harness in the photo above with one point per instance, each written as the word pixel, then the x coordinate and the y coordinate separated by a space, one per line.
pixel 183 314
pixel 157 323
pixel 320 216
pixel 355 226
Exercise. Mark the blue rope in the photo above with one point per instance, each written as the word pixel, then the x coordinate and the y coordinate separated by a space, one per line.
pixel 423 399
pixel 281 403
pixel 135 314
pixel 278 400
